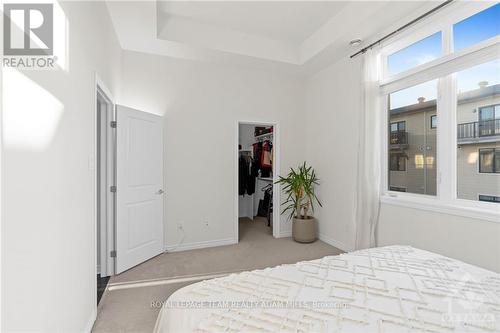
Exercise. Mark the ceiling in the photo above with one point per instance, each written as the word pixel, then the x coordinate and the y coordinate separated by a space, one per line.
pixel 298 36
pixel 286 21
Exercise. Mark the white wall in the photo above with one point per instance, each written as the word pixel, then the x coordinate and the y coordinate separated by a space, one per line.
pixel 333 104
pixel 48 226
pixel 473 241
pixel 201 103
pixel 333 101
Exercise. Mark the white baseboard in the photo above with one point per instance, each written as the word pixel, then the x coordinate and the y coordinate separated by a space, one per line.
pixel 339 245
pixel 90 323
pixel 200 245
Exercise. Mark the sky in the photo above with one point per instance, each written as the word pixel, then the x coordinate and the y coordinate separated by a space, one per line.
pixel 479 27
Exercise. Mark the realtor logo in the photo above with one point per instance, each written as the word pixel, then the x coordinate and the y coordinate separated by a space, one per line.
pixel 28 29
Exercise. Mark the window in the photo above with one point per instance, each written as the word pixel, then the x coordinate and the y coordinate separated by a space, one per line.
pixel 456 165
pixel 478 130
pixel 397 189
pixel 412 147
pixel 489 198
pixel 477 28
pixel 397 162
pixel 489 160
pixel 398 127
pixel 434 123
pixel 398 133
pixel 416 54
pixel 489 119
pixel 489 112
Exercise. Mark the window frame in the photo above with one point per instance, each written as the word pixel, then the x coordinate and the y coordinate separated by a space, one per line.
pixel 480 108
pixel 441 21
pixel 434 116
pixel 495 169
pixel 443 69
pixel 397 123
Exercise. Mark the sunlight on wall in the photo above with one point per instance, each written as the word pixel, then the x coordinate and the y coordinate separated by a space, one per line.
pixel 419 161
pixel 429 161
pixel 30 113
pixel 472 159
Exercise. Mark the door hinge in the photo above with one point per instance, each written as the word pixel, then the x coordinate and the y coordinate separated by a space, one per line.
pixel 112 254
pixel 112 189
pixel 112 124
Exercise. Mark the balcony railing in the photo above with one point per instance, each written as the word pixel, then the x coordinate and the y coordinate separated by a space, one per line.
pixel 478 129
pixel 398 138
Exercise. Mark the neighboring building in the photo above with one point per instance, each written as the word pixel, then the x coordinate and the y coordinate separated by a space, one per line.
pixel 412 144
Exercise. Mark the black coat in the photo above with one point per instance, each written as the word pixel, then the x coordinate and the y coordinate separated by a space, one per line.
pixel 243 172
pixel 246 177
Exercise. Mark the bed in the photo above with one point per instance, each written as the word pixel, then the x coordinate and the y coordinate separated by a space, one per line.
pixel 386 289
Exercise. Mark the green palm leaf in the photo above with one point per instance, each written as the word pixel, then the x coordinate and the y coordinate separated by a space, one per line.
pixel 298 187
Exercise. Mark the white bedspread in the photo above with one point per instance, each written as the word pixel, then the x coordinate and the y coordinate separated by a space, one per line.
pixel 387 289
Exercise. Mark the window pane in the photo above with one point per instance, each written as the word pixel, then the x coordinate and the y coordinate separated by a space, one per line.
pixel 416 54
pixel 489 198
pixel 478 131
pixel 486 160
pixel 475 29
pixel 411 97
pixel 434 123
pixel 413 147
pixel 487 113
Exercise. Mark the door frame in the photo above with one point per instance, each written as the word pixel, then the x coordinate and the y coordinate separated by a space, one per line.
pixel 99 87
pixel 276 173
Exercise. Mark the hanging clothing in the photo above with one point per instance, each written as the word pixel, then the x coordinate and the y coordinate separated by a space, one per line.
pixel 242 175
pixel 250 181
pixel 262 152
pixel 266 166
pixel 246 179
pixel 266 159
pixel 257 153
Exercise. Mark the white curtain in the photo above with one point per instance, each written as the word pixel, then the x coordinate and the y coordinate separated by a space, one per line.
pixel 369 158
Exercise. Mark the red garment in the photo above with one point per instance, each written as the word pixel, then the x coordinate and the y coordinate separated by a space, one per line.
pixel 266 159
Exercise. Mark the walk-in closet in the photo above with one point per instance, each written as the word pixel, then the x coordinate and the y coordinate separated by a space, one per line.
pixel 255 179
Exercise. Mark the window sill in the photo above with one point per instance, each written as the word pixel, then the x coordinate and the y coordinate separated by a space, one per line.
pixel 463 208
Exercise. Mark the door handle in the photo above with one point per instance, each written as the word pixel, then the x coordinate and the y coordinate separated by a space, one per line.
pixel 160 192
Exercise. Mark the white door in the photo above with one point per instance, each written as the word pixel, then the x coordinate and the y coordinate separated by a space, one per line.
pixel 139 187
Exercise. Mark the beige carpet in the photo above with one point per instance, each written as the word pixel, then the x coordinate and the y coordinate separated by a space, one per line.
pixel 133 308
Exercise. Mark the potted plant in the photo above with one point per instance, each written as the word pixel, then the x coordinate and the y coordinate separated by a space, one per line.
pixel 298 186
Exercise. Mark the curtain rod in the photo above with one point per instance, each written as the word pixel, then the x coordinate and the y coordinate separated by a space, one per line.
pixel 363 50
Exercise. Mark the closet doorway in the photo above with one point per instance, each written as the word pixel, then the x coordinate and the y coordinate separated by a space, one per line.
pixel 105 179
pixel 257 160
pixel 129 187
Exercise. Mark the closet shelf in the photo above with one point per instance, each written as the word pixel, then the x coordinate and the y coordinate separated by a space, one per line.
pixel 263 136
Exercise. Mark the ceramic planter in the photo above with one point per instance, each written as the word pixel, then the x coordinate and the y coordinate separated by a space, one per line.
pixel 304 230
